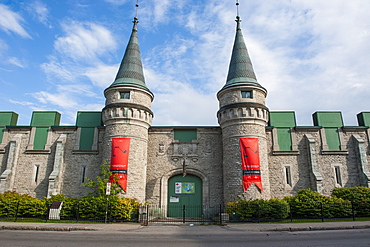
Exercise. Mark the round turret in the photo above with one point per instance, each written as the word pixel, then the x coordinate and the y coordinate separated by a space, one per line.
pixel 243 117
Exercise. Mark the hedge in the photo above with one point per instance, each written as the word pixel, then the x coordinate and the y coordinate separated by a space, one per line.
pixel 311 204
pixel 258 209
pixel 359 196
pixel 85 208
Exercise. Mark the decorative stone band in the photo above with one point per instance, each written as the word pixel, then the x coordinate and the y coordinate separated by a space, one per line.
pixel 126 111
pixel 244 111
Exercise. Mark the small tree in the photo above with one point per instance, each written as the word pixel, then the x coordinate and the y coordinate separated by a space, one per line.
pixel 99 186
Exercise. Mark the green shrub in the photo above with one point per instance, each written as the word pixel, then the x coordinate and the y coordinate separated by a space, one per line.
pixel 26 205
pixel 125 209
pixel 92 207
pixel 359 196
pixel 353 194
pixel 311 204
pixel 258 209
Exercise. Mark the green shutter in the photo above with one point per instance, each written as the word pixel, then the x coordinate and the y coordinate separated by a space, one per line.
pixel 185 135
pixel 1 133
pixel 331 121
pixel 283 121
pixel 87 121
pixel 284 139
pixel 332 139
pixel 7 119
pixel 41 135
pixel 87 138
pixel 42 121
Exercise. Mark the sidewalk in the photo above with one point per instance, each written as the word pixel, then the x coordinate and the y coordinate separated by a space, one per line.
pixel 231 226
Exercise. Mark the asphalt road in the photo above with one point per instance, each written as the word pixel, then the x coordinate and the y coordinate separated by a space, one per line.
pixel 214 236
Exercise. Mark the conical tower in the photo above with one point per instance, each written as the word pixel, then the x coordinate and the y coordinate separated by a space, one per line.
pixel 127 114
pixel 243 116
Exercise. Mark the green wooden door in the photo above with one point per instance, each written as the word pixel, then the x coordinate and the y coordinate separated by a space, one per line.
pixel 185 191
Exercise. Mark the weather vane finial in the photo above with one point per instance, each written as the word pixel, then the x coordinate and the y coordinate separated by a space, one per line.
pixel 136 8
pixel 237 15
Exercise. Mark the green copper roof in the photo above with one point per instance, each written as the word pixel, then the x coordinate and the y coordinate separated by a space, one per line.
pixel 130 72
pixel 240 68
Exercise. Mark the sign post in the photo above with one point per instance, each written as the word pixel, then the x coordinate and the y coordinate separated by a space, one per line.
pixel 107 193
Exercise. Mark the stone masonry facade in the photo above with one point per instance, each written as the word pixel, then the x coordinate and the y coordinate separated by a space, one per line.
pixel 46 159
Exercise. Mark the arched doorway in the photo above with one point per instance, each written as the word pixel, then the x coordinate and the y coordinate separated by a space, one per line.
pixel 185 192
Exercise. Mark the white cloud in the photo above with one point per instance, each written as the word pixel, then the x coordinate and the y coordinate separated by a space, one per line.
pixel 102 75
pixel 59 71
pixel 12 22
pixel 23 103
pixel 179 103
pixel 3 47
pixel 84 41
pixel 116 2
pixel 15 61
pixel 40 12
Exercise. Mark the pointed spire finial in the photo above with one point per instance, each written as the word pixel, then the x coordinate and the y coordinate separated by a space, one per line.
pixel 135 21
pixel 238 20
pixel 130 72
pixel 240 69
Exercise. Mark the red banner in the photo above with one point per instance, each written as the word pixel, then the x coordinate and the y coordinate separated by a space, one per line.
pixel 249 151
pixel 119 161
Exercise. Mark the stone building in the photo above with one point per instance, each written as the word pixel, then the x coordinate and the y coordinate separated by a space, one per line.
pixel 253 151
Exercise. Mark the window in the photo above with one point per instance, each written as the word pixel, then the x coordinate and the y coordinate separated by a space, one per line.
pixel 124 95
pixel 288 176
pixel 338 177
pixel 247 95
pixel 36 172
pixel 83 173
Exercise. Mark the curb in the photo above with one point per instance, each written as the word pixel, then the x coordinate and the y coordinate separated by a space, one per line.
pixel 45 228
pixel 316 228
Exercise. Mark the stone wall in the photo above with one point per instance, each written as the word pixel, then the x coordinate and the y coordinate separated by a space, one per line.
pixel 203 158
pixel 31 171
pixel 301 163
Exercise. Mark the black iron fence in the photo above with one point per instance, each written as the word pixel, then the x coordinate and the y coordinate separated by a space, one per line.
pixel 197 214
pixel 297 212
pixel 103 213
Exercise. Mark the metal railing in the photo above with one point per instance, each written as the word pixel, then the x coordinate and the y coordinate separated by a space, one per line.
pixel 197 214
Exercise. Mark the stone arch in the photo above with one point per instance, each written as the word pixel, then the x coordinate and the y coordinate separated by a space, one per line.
pixel 178 171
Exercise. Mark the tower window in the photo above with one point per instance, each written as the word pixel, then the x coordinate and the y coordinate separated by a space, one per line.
pixel 338 177
pixel 288 176
pixel 83 173
pixel 247 95
pixel 36 173
pixel 124 95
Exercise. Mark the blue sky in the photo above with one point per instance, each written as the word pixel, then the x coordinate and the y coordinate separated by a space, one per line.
pixel 311 55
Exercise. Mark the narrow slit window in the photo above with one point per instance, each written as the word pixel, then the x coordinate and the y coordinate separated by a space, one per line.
pixel 83 174
pixel 288 176
pixel 37 169
pixel 338 177
pixel 247 95
pixel 125 95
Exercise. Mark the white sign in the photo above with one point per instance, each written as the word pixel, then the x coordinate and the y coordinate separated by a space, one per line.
pixel 107 192
pixel 174 199
pixel 178 188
